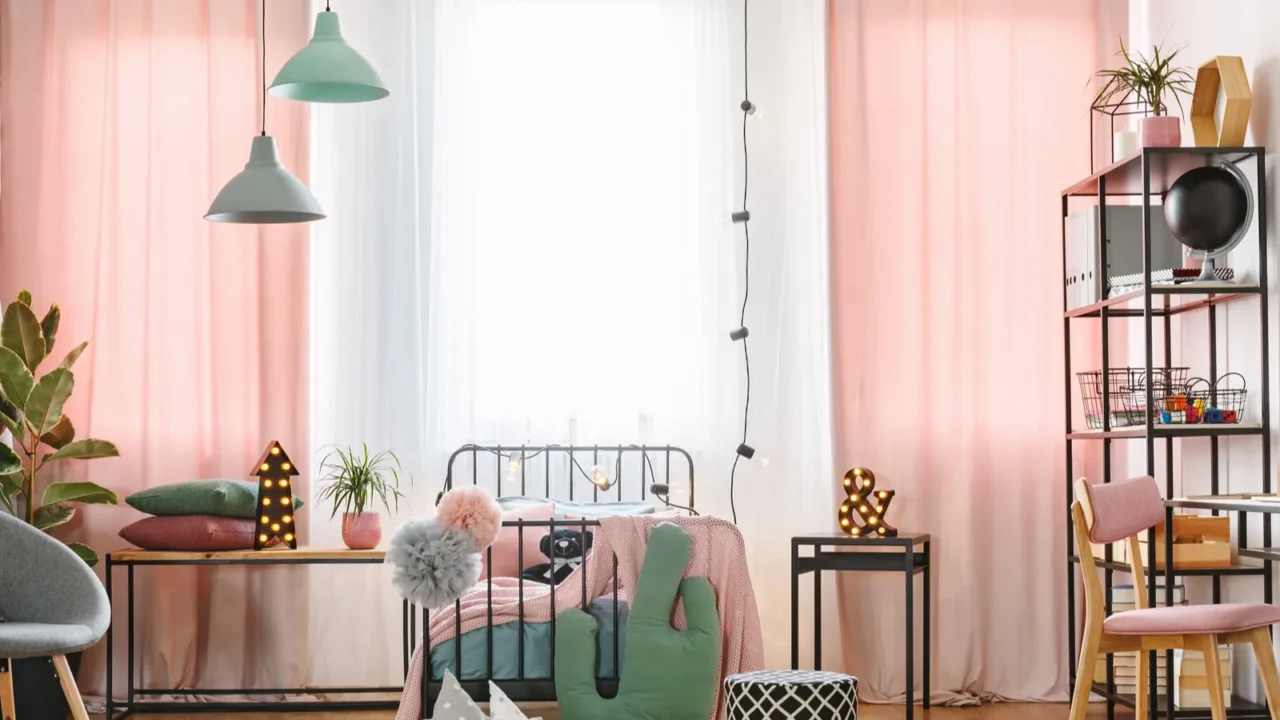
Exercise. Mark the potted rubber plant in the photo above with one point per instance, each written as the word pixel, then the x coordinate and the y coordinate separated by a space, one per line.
pixel 354 481
pixel 1154 81
pixel 31 409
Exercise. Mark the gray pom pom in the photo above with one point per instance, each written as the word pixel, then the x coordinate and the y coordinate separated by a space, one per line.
pixel 432 565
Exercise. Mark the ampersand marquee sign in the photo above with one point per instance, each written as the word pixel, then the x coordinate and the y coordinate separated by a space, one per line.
pixel 870 505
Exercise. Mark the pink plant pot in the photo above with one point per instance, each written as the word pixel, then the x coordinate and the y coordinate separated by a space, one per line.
pixel 361 531
pixel 1160 131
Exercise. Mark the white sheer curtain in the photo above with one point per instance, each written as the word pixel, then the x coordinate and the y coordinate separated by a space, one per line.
pixel 529 242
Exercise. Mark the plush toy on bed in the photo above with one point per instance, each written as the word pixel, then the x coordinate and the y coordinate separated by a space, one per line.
pixel 566 550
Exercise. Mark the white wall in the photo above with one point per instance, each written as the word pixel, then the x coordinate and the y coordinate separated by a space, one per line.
pixel 1205 28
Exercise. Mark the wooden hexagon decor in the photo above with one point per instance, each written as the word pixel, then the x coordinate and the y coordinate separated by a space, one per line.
pixel 1226 74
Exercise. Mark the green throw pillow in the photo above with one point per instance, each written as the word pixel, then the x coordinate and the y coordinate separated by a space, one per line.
pixel 228 498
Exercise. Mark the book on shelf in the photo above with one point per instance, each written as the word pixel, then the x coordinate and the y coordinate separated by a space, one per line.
pixel 1190 681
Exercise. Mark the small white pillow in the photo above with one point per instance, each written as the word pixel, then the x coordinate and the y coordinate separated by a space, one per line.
pixel 501 707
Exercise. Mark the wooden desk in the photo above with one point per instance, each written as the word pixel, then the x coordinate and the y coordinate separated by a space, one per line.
pixel 134 557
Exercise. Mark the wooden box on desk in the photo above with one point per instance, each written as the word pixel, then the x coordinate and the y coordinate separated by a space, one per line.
pixel 1199 541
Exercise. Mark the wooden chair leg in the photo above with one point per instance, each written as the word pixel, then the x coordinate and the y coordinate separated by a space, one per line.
pixel 6 689
pixel 1143 694
pixel 1084 676
pixel 1267 669
pixel 70 689
pixel 1213 672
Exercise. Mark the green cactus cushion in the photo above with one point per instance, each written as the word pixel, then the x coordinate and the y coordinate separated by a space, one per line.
pixel 226 498
pixel 667 674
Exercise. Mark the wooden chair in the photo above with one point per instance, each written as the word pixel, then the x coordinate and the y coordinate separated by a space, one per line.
pixel 1116 511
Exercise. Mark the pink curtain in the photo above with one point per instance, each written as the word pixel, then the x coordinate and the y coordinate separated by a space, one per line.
pixel 121 120
pixel 954 125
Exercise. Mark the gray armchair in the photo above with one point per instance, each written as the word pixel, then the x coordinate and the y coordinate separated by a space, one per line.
pixel 51 604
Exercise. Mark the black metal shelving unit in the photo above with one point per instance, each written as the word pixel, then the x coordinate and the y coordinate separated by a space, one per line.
pixel 1148 174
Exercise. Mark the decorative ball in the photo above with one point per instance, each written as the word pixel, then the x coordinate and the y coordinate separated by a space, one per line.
pixel 474 511
pixel 432 565
pixel 1206 207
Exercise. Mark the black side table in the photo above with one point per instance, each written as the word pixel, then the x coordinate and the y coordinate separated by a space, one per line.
pixel 895 554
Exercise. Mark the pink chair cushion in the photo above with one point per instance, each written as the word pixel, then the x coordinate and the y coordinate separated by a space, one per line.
pixel 1192 619
pixel 1123 508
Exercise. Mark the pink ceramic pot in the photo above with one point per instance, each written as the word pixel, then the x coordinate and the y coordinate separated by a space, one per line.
pixel 1160 131
pixel 361 531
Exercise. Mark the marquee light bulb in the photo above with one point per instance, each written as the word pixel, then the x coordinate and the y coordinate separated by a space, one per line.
pixel 266 501
pixel 266 483
pixel 288 537
pixel 262 538
pixel 275 451
pixel 284 482
pixel 286 467
pixel 275 527
pixel 286 518
pixel 264 467
pixel 266 519
pixel 286 501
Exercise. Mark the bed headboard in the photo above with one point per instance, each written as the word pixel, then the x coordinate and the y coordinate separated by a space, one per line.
pixel 562 472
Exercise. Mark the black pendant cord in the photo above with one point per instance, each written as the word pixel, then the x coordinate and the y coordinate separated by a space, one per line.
pixel 264 68
pixel 747 108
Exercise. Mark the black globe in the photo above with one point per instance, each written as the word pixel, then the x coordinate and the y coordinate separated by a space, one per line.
pixel 1205 208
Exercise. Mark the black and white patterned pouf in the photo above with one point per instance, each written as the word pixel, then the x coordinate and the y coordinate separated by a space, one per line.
pixel 791 695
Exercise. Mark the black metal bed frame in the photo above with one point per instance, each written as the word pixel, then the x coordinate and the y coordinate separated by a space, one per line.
pixel 521 687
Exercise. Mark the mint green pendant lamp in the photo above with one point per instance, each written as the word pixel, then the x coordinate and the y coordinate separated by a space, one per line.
pixel 265 192
pixel 328 70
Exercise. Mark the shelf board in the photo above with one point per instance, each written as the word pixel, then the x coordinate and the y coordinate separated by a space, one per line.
pixel 1240 707
pixel 1124 177
pixel 1168 431
pixel 1214 293
pixel 1234 569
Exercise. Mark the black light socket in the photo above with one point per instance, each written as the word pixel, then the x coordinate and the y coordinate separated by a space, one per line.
pixel 739 334
pixel 748 107
pixel 741 217
pixel 660 489
pixel 746 451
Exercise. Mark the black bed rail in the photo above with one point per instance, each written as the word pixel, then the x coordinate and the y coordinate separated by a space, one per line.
pixel 574 456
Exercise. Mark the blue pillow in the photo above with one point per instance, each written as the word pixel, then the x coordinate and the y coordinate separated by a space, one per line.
pixel 566 508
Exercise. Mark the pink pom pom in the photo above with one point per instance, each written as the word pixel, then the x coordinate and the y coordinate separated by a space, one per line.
pixel 471 509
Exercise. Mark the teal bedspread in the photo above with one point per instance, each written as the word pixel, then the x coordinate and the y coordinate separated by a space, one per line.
pixel 537 648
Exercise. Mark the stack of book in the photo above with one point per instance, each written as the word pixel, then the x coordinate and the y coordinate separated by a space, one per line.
pixel 1190 678
pixel 1126 663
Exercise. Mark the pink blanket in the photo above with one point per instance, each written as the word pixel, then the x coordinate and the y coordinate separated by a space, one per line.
pixel 718 554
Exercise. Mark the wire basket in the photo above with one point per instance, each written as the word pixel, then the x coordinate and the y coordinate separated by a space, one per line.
pixel 1219 402
pixel 1127 387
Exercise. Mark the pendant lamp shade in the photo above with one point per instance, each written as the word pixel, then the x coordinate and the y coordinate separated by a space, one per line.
pixel 264 192
pixel 328 70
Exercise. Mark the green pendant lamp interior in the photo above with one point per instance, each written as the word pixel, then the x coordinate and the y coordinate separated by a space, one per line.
pixel 328 70
pixel 265 192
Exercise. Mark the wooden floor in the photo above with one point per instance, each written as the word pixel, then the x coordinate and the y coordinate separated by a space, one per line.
pixel 1000 711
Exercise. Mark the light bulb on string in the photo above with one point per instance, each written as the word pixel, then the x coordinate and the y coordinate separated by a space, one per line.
pixel 600 478
pixel 513 467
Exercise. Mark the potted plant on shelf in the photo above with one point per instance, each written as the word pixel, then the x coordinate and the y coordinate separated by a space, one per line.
pixel 31 410
pixel 354 480
pixel 1152 81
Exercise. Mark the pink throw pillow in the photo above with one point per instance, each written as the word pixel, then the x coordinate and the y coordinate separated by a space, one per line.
pixel 506 559
pixel 191 532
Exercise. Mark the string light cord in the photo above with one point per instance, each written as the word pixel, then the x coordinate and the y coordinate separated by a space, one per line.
pixel 747 110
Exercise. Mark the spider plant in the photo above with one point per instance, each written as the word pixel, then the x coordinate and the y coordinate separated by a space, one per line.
pixel 1151 80
pixel 355 479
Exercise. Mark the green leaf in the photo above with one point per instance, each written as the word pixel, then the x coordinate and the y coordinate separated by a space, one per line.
pixel 72 356
pixel 9 460
pixel 20 332
pixel 85 552
pixel 11 484
pixel 49 327
pixel 14 426
pixel 81 492
pixel 44 405
pixel 86 449
pixel 61 434
pixel 51 516
pixel 16 380
pixel 24 297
